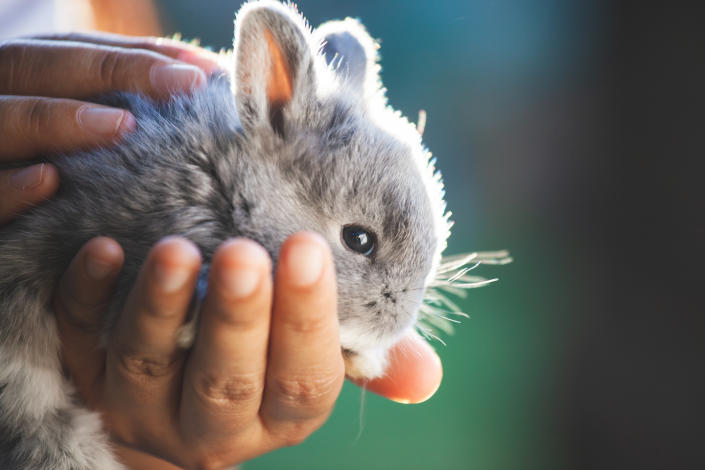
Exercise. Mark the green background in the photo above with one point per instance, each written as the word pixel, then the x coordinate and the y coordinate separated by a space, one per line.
pixel 496 79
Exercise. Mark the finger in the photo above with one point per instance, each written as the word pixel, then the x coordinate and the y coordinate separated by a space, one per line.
pixel 142 355
pixel 224 376
pixel 305 371
pixel 207 60
pixel 79 304
pixel 31 126
pixel 39 68
pixel 23 188
pixel 414 373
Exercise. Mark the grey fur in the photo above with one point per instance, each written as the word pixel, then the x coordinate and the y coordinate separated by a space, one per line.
pixel 209 167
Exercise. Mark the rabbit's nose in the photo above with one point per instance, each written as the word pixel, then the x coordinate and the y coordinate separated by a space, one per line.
pixel 389 296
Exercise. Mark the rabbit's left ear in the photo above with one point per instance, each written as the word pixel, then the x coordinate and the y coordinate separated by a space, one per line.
pixel 352 53
pixel 274 66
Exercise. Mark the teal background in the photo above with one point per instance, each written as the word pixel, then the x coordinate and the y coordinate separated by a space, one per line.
pixel 502 83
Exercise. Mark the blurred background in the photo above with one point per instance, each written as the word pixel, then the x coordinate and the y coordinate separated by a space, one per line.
pixel 570 133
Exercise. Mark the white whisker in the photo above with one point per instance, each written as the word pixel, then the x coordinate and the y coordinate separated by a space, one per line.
pixel 462 272
pixel 472 285
pixel 428 334
pixel 452 278
pixel 460 293
pixel 435 310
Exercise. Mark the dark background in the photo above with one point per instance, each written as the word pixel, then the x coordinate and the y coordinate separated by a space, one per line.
pixel 571 133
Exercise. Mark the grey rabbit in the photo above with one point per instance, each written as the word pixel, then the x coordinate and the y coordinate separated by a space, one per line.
pixel 298 137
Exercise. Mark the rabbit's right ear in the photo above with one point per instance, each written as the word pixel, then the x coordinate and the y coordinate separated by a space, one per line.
pixel 275 79
pixel 350 50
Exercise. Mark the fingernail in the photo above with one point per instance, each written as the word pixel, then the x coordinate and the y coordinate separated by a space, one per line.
pixel 304 263
pixel 105 121
pixel 28 178
pixel 97 269
pixel 207 61
pixel 176 77
pixel 171 278
pixel 242 280
pixel 129 124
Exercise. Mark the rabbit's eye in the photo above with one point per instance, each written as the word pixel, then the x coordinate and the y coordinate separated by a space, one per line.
pixel 359 239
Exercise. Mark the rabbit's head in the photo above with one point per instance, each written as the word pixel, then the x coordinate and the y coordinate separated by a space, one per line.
pixel 322 151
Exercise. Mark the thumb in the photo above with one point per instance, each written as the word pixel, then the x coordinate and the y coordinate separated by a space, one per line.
pixel 414 373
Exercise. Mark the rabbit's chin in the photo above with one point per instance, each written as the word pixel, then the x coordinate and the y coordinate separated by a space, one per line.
pixel 365 365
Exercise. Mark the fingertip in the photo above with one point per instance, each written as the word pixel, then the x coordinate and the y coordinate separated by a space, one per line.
pixel 128 124
pixel 239 266
pixel 174 263
pixel 49 183
pixel 40 180
pixel 242 251
pixel 88 281
pixel 103 257
pixel 51 175
pixel 428 367
pixel 307 237
pixel 205 60
pixel 304 257
pixel 176 77
pixel 177 250
pixel 104 122
pixel 414 374
pixel 26 187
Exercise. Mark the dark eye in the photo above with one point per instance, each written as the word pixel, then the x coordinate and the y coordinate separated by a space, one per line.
pixel 359 239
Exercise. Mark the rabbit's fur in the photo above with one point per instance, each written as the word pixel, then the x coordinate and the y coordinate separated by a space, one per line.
pixel 255 155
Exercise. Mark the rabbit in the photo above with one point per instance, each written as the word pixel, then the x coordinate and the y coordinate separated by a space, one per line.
pixel 297 136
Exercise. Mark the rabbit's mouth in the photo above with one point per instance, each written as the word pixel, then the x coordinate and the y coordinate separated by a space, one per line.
pixel 364 365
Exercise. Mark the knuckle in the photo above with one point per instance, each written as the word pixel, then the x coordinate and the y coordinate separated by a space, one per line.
pixel 229 391
pixel 107 65
pixel 161 308
pixel 306 325
pixel 77 312
pixel 30 118
pixel 229 315
pixel 14 64
pixel 37 117
pixel 135 365
pixel 310 394
pixel 9 50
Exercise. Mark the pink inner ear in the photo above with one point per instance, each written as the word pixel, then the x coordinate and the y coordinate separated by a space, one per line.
pixel 279 90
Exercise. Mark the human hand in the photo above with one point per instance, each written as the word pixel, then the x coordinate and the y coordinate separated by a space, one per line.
pixel 42 83
pixel 264 372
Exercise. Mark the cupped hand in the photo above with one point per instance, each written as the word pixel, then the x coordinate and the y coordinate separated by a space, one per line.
pixel 265 369
pixel 264 372
pixel 43 82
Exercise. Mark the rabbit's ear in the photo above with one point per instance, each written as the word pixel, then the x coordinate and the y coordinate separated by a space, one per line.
pixel 352 53
pixel 274 65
